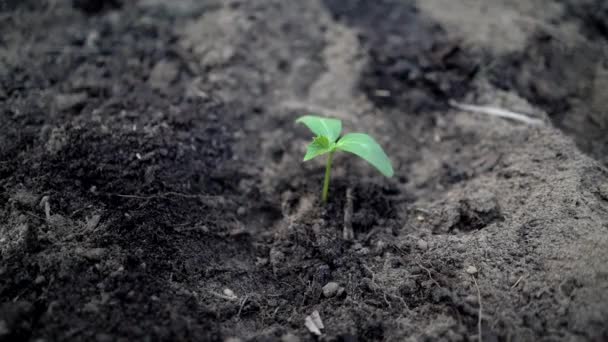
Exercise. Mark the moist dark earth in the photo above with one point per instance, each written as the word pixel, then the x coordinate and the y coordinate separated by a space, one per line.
pixel 152 188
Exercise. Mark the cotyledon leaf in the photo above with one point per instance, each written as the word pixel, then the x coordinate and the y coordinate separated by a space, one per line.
pixel 319 146
pixel 367 148
pixel 320 126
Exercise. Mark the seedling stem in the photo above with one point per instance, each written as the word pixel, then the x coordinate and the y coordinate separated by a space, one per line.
pixel 327 176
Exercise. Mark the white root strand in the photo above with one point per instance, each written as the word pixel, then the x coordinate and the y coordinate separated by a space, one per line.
pixel 499 112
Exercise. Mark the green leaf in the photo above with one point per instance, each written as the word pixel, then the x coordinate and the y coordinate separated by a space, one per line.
pixel 317 147
pixel 330 128
pixel 367 148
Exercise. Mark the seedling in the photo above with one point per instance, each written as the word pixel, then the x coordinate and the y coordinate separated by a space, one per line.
pixel 328 141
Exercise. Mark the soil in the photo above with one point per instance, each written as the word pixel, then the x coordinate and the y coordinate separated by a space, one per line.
pixel 152 188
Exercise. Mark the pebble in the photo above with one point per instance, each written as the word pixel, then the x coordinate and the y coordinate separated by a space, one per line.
pixel 461 248
pixel 330 289
pixel 229 293
pixel 92 253
pixel 289 337
pixel 471 299
pixel 69 101
pixel 163 74
pixel 39 280
pixel 471 270
pixel 422 245
pixel 233 339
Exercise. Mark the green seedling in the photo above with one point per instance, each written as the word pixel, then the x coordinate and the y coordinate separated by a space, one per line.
pixel 328 141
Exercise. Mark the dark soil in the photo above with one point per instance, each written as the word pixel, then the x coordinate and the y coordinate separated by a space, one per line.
pixel 151 183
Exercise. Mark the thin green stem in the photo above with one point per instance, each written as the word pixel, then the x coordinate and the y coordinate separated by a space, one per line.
pixel 327 177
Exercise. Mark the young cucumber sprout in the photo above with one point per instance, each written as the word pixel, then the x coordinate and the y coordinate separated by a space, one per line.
pixel 328 141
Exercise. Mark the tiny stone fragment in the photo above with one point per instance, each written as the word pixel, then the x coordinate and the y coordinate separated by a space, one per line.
pixel 422 245
pixel 163 74
pixel 330 289
pixel 471 270
pixel 316 317
pixel 65 102
pixel 230 294
pixel 91 253
pixel 233 339
pixel 39 280
pixel 311 326
pixel 289 337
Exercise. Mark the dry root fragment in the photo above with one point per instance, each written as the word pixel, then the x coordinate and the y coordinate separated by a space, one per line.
pixel 348 233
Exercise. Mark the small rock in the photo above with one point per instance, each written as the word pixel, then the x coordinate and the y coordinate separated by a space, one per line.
pixel 230 294
pixel 92 39
pixel 471 270
pixel 380 247
pixel 422 245
pixel 460 248
pixel 92 222
pixel 330 289
pixel 261 262
pixel 117 272
pixel 603 190
pixel 91 307
pixel 289 337
pixel 233 339
pixel 163 74
pixel 39 280
pixel 65 102
pixel 471 299
pixel 94 254
pixel 241 211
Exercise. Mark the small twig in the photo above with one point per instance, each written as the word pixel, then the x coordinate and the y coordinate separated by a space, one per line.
pixel 222 296
pixel 47 207
pixel 348 233
pixel 238 315
pixel 480 310
pixel 34 215
pixel 499 112
pixel 517 282
pixel 429 273
pixel 166 195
